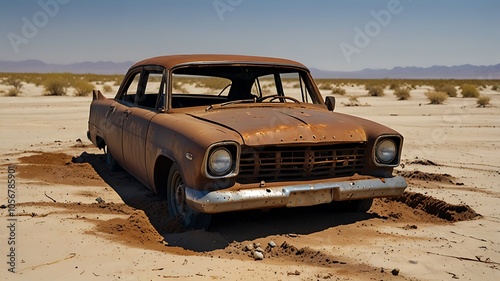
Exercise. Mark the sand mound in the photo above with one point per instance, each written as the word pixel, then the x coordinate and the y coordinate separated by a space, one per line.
pixel 58 168
pixel 437 207
pixel 418 175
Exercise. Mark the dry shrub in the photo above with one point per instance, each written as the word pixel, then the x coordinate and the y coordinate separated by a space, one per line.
pixel 13 92
pixel 436 97
pixel 494 88
pixel 16 84
pixel 82 88
pixel 483 101
pixel 325 86
pixel 376 91
pixel 469 91
pixel 107 88
pixel 55 87
pixel 402 93
pixel 353 101
pixel 338 91
pixel 394 86
pixel 448 89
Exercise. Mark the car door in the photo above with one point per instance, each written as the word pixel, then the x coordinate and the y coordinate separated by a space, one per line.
pixel 117 113
pixel 136 124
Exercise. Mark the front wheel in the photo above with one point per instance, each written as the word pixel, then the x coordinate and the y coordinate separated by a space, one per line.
pixel 177 207
pixel 358 206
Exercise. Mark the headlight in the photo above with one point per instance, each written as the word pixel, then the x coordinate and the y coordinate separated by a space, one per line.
pixel 386 151
pixel 220 161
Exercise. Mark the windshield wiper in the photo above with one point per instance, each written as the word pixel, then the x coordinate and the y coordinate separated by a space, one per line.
pixel 254 100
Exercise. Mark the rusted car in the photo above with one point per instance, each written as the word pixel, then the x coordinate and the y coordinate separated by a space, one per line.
pixel 220 133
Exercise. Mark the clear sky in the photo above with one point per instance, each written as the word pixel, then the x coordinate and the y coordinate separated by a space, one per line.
pixel 340 35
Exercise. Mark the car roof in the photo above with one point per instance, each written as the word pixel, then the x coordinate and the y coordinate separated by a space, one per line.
pixel 172 61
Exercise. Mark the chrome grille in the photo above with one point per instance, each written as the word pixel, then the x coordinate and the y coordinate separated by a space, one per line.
pixel 300 162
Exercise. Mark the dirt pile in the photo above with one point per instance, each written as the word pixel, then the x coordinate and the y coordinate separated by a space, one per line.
pixel 134 230
pixel 58 168
pixel 423 176
pixel 436 207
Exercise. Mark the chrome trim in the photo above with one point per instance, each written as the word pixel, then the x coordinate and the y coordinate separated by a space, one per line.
pixel 293 195
pixel 236 166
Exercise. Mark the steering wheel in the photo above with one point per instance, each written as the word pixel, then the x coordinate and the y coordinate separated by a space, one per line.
pixel 222 91
pixel 271 98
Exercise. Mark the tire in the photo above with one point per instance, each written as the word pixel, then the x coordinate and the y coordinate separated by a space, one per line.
pixel 361 206
pixel 358 206
pixel 176 201
pixel 111 162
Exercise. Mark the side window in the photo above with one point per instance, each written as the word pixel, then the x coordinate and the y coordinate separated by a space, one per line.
pixel 131 91
pixel 292 85
pixel 153 87
pixel 267 85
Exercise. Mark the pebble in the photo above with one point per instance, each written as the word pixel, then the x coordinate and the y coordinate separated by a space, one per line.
pixel 99 200
pixel 249 247
pixel 256 245
pixel 259 249
pixel 395 271
pixel 272 244
pixel 258 255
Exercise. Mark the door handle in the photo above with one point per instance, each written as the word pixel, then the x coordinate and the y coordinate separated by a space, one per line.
pixel 127 112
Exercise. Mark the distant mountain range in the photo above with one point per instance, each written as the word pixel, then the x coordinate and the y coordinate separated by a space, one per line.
pixel 466 71
pixel 100 67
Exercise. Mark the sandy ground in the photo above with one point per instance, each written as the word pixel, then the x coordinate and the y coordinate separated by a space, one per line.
pixel 446 227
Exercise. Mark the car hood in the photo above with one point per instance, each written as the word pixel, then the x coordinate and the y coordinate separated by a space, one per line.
pixel 280 125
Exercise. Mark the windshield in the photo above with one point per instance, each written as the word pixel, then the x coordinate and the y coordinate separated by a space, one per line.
pixel 210 85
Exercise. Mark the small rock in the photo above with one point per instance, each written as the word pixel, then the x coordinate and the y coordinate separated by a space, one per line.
pixel 413 262
pixel 296 273
pixel 3 207
pixel 395 271
pixel 249 247
pixel 258 255
pixel 99 200
pixel 272 244
pixel 256 245
pixel 292 234
pixel 259 249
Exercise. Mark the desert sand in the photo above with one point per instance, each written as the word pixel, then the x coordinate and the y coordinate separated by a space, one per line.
pixel 446 227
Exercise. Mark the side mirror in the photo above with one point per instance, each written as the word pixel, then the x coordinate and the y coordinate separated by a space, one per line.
pixel 330 102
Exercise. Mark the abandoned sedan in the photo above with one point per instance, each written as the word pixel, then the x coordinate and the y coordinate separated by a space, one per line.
pixel 220 133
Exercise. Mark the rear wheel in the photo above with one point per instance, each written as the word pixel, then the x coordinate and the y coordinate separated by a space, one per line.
pixel 177 207
pixel 111 162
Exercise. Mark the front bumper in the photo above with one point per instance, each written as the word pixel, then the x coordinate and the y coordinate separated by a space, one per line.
pixel 293 195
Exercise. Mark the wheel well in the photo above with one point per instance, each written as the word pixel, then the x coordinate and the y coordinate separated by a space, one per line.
pixel 100 143
pixel 162 168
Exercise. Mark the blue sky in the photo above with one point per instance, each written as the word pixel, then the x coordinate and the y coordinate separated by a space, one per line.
pixel 340 35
